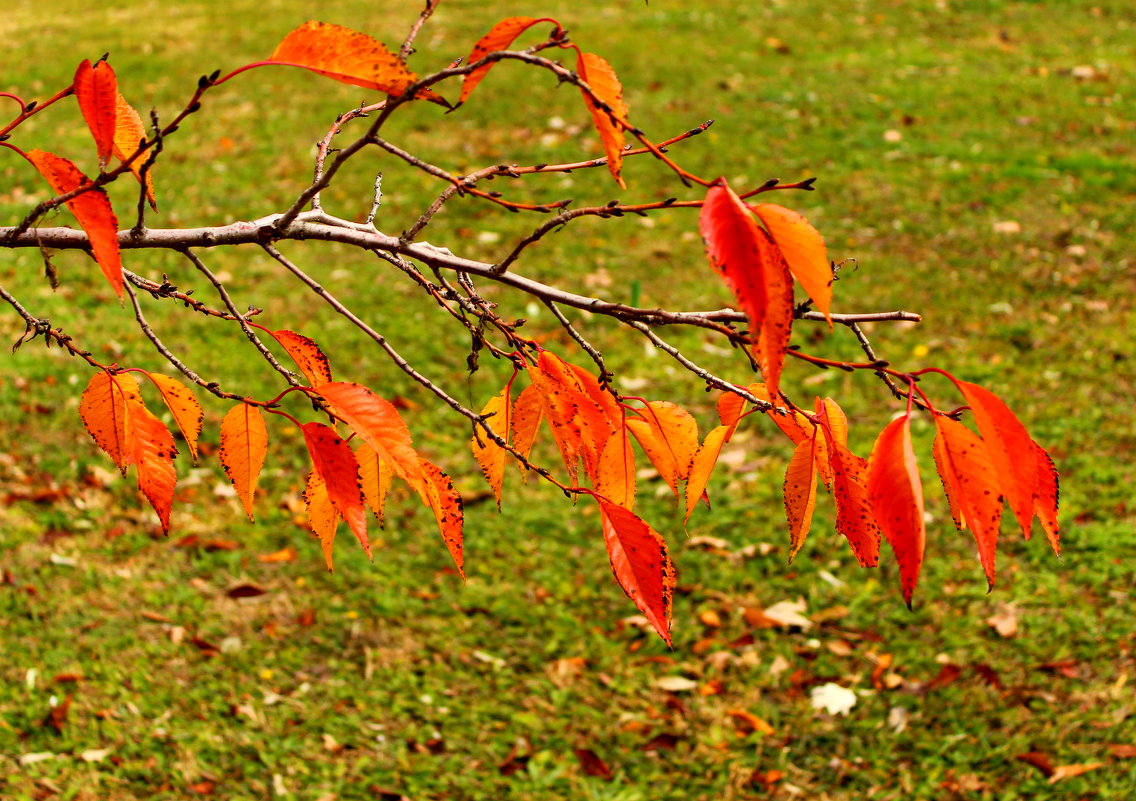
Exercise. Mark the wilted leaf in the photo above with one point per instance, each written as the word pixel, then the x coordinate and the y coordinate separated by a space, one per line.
pixel 103 409
pixel 896 495
pixel 749 722
pixel 528 409
pixel 1067 771
pixel 675 684
pixel 1046 496
pixel 788 613
pixel 1004 620
pixel 609 112
pixel 285 554
pixel 641 564
pixel 446 503
pixel 245 591
pixel 855 520
pixel 375 479
pixel 244 445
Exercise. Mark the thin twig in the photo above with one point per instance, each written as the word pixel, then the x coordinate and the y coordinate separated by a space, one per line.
pixel 407 48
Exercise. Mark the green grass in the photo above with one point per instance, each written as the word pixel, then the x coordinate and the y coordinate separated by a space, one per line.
pixel 402 680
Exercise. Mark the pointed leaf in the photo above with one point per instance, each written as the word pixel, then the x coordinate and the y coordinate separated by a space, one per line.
pixel 244 444
pixel 322 514
pixel 971 484
pixel 307 356
pixel 830 414
pixel 1046 497
pixel 183 406
pixel 641 564
pixel 96 90
pixel 800 494
pixel 500 37
pixel 104 411
pixel 349 57
pixel 896 494
pixel 446 504
pixel 528 409
pixel 609 112
pixel 596 412
pixel 491 456
pixel 128 134
pixel 677 431
pixel 703 465
pixel 855 519
pixel 153 452
pixel 615 476
pixel 375 479
pixel 335 462
pixel 92 209
pixel 804 251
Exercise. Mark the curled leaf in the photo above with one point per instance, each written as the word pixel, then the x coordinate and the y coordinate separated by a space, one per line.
pixel 307 356
pixel 800 493
pixel 322 514
pixel 500 37
pixel 703 465
pixel 609 112
pixel 446 504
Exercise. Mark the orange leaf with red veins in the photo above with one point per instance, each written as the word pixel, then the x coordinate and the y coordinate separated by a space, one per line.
pixel 703 465
pixel 128 134
pixel 641 564
pixel 609 121
pixel 615 476
pixel 580 426
pixel 349 57
pixel 897 499
pixel 1046 497
pixel 374 478
pixel 322 514
pixel 800 493
pixel 491 456
pixel 244 444
pixel 335 462
pixel 676 430
pixel 755 271
pixel 1010 448
pixel 855 519
pixel 378 423
pixel 307 356
pixel 153 450
pixel 446 503
pixel 105 413
pixel 804 251
pixel 528 409
pixel 971 485
pixel 563 417
pixel 92 209
pixel 183 406
pixel 596 412
pixel 500 37
pixel 96 89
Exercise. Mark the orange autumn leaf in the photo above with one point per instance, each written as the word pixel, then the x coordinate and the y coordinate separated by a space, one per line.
pixel 186 411
pixel 307 356
pixel 615 474
pixel 1046 496
pixel 92 209
pixel 580 425
pixel 609 112
pixel 855 520
pixel 128 135
pixel 755 271
pixel 446 504
pixel 563 418
pixel 829 413
pixel 244 445
pixel 322 514
pixel 971 485
pixel 528 410
pixel 896 496
pixel 349 57
pixel 804 251
pixel 491 456
pixel 104 410
pixel 703 465
pixel 152 453
pixel 335 462
pixel 96 90
pixel 800 493
pixel 668 435
pixel 500 37
pixel 374 478
pixel 641 564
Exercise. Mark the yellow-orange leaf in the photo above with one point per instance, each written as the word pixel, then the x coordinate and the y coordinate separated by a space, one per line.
pixel 375 478
pixel 615 476
pixel 855 520
pixel 335 462
pixel 349 57
pixel 896 495
pixel 104 411
pixel 971 485
pixel 96 89
pixel 828 412
pixel 563 417
pixel 609 112
pixel 128 135
pixel 641 564
pixel 804 251
pixel 500 36
pixel 1046 497
pixel 244 444
pixel 596 411
pixel 446 504
pixel 92 209
pixel 153 450
pixel 183 406
pixel 800 493
pixel 491 456
pixel 703 465
pixel 676 430
pixel 307 356
pixel 322 515
pixel 528 409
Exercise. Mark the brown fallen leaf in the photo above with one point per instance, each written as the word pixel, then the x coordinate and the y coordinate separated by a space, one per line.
pixel 1122 751
pixel 246 591
pixel 1068 771
pixel 948 675
pixel 592 764
pixel 1038 760
pixel 1063 667
pixel 664 741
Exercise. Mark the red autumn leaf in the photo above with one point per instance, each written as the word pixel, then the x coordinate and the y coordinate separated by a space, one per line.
pixel 1010 449
pixel 897 499
pixel 446 504
pixel 855 520
pixel 96 89
pixel 307 356
pixel 971 484
pixel 829 412
pixel 322 514
pixel 491 456
pixel 183 406
pixel 804 251
pixel 609 112
pixel 378 424
pixel 800 493
pixel 500 37
pixel 641 564
pixel 615 474
pixel 375 479
pixel 703 465
pixel 92 209
pixel 349 57
pixel 244 444
pixel 103 409
pixel 152 453
pixel 528 409
pixel 1046 496
pixel 335 462
pixel 592 764
pixel 128 134
pixel 755 271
